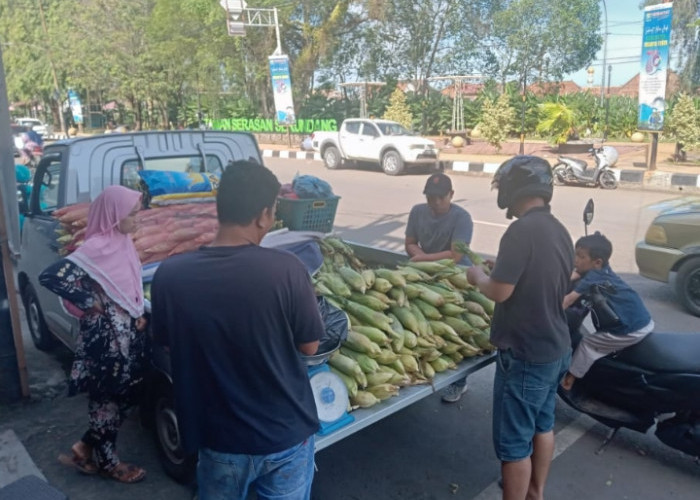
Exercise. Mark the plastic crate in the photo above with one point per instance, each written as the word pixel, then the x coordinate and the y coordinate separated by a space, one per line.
pixel 310 214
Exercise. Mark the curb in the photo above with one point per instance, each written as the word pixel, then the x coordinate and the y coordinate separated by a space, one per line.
pixel 647 179
pixel 15 462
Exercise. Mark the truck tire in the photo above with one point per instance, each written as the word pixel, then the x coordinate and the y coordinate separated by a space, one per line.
pixel 177 464
pixel 392 163
pixel 41 336
pixel 331 158
pixel 688 285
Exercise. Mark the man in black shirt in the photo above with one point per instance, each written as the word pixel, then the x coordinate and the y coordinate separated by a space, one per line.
pixel 528 282
pixel 236 317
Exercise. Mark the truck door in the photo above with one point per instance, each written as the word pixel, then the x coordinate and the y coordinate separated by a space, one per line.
pixel 371 142
pixel 40 242
pixel 350 140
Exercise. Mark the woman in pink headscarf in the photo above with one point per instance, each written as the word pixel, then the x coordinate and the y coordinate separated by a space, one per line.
pixel 101 284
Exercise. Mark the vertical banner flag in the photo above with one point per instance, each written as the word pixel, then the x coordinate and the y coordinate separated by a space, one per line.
pixel 75 106
pixel 656 40
pixel 282 89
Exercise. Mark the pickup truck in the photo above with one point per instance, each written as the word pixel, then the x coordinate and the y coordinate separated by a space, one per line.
pixel 75 171
pixel 381 142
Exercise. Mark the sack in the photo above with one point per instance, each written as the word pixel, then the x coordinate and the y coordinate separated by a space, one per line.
pixel 336 323
pixel 166 187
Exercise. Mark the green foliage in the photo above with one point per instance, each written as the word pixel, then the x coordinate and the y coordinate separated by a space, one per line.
pixel 496 120
pixel 684 123
pixel 557 121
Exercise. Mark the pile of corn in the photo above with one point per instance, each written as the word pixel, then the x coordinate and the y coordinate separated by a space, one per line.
pixel 406 324
pixel 161 231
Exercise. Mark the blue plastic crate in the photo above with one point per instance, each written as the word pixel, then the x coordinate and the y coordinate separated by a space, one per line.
pixel 311 214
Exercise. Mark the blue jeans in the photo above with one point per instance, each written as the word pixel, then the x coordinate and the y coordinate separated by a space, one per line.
pixel 286 475
pixel 524 394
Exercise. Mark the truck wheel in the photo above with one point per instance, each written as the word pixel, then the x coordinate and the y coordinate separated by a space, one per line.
pixel 688 285
pixel 41 336
pixel 331 157
pixel 392 163
pixel 177 464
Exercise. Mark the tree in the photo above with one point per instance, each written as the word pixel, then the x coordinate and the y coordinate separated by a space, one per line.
pixel 496 120
pixel 558 121
pixel 532 39
pixel 398 110
pixel 684 124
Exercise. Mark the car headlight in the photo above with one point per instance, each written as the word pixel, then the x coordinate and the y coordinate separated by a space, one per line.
pixel 656 235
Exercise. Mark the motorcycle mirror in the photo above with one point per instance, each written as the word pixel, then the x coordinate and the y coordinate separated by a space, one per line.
pixel 588 212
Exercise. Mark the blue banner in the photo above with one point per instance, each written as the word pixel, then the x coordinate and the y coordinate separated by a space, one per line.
pixel 656 42
pixel 282 90
pixel 75 106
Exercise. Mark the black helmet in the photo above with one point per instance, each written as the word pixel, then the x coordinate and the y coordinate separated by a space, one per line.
pixel 520 177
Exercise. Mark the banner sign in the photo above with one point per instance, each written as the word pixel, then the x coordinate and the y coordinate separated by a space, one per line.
pixel 656 41
pixel 301 126
pixel 75 106
pixel 282 89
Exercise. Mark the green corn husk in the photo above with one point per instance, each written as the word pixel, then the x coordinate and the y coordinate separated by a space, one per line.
pixel 369 277
pixel 410 339
pixel 463 329
pixel 381 296
pixel 380 377
pixel 410 363
pixel 412 291
pixel 481 339
pixel 398 366
pixel 456 357
pixel 350 382
pixel 369 301
pixel 459 280
pixel 430 296
pixel 412 274
pixel 475 308
pixel 445 331
pixel 368 315
pixel 428 354
pixel 406 317
pixel 393 277
pixel 382 285
pixel 450 348
pixel 322 289
pixel 430 267
pixel 480 298
pixel 440 364
pixel 423 325
pixel 336 284
pixel 386 357
pixel 399 296
pixel 367 364
pixel 399 339
pixel 427 369
pixel 374 334
pixel 360 343
pixel 475 320
pixel 338 245
pixel 364 399
pixel 384 391
pixel 352 278
pixel 345 364
pixel 452 310
pixel 429 311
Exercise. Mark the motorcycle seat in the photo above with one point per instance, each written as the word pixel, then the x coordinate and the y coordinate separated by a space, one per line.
pixel 578 162
pixel 664 352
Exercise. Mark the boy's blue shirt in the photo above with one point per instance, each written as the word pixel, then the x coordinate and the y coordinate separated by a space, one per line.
pixel 625 302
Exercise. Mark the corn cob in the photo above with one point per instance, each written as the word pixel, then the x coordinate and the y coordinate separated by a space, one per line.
pixel 369 301
pixel 360 343
pixel 382 285
pixel 384 391
pixel 350 382
pixel 374 334
pixel 364 399
pixel 393 277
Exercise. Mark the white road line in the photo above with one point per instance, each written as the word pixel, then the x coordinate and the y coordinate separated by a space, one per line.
pixel 495 224
pixel 562 441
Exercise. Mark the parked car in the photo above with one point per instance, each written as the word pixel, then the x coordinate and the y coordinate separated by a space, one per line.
pixel 380 142
pixel 671 252
pixel 35 124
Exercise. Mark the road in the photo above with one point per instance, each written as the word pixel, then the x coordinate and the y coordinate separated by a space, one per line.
pixel 429 451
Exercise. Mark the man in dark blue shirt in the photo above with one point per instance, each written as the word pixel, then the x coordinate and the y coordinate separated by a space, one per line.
pixel 236 317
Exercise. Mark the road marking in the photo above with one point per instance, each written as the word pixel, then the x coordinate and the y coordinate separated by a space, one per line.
pixel 494 224
pixel 562 441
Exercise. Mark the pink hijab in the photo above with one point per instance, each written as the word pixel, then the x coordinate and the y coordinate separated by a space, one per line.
pixel 109 256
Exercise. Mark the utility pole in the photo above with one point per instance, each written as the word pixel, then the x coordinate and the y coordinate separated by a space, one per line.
pixel 521 151
pixel 605 54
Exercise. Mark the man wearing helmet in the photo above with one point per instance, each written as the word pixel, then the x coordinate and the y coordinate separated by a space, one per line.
pixel 528 283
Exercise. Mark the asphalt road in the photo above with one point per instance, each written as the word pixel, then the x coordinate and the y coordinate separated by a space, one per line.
pixel 428 451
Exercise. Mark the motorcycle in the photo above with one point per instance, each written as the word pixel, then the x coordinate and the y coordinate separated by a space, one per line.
pixel 573 171
pixel 654 382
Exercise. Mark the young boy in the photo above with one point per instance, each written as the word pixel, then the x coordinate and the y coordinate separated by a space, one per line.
pixel 591 264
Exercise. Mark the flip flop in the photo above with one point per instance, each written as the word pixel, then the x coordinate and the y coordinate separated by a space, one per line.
pixel 124 473
pixel 83 465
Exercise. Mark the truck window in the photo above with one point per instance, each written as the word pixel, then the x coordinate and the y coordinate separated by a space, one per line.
pixel 191 164
pixel 352 127
pixel 47 200
pixel 393 129
pixel 370 130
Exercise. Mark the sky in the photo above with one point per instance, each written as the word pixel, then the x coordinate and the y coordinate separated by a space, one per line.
pixel 625 22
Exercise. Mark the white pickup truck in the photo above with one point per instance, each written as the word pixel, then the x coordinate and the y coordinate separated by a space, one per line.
pixel 382 142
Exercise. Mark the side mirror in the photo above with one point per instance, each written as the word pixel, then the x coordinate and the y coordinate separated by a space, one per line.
pixel 588 212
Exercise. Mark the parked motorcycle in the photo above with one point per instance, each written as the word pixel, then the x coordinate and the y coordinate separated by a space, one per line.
pixel 573 171
pixel 656 381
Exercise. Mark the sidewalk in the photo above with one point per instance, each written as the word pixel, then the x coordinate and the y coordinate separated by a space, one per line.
pixel 481 158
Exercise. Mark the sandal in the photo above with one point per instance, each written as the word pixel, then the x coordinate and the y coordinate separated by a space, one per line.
pixel 83 465
pixel 124 473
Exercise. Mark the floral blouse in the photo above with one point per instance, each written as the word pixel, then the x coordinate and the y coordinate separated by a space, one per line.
pixel 111 356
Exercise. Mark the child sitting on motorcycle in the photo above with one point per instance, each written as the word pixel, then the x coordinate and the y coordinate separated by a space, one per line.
pixel 627 320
